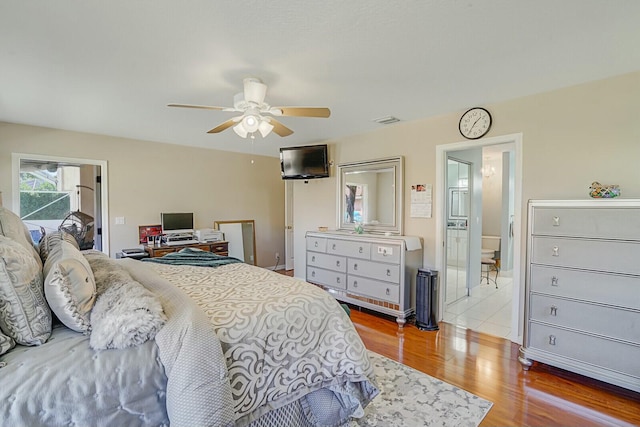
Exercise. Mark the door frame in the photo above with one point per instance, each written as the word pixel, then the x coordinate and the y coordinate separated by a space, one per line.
pixel 104 185
pixel 442 152
pixel 288 225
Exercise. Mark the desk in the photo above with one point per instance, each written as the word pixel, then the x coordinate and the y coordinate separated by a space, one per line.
pixel 219 248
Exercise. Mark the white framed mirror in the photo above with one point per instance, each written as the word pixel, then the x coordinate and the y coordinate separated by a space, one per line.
pixel 241 235
pixel 370 193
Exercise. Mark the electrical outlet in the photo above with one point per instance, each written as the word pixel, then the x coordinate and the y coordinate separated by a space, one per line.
pixel 277 255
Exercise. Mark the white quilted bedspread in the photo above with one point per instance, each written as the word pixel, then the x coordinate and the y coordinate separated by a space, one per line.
pixel 283 339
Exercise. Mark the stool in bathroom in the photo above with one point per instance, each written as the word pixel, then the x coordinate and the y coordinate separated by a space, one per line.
pixel 488 264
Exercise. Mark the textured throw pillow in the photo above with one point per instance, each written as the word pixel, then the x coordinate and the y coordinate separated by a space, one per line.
pixel 6 343
pixel 24 313
pixel 69 285
pixel 126 313
pixel 11 226
pixel 51 240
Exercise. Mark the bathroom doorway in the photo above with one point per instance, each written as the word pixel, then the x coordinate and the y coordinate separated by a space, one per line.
pixel 485 307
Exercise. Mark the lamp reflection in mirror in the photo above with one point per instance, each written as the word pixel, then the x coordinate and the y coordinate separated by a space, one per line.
pixel 252 123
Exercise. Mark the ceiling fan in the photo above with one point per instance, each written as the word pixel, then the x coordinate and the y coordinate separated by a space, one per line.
pixel 257 114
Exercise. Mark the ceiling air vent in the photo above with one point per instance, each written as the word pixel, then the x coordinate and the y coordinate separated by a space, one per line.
pixel 387 120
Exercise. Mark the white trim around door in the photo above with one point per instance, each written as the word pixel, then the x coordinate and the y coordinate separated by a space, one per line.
pixel 440 213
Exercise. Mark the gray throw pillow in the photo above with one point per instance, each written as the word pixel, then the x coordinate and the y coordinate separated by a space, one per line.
pixel 11 226
pixel 24 313
pixel 69 286
pixel 6 343
pixel 52 240
pixel 126 313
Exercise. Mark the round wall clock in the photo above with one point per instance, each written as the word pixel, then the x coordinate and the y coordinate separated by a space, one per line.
pixel 475 123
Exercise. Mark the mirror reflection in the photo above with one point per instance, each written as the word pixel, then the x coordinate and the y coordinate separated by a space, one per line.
pixel 241 237
pixel 368 196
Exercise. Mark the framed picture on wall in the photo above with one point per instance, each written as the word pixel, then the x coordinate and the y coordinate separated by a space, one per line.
pixel 146 231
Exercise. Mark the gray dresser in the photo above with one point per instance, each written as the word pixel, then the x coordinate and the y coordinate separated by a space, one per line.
pixel 583 288
pixel 375 272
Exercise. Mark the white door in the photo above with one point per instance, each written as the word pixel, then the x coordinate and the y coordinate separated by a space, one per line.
pixel 288 225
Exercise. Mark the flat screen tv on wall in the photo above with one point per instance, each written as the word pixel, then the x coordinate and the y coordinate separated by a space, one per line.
pixel 307 162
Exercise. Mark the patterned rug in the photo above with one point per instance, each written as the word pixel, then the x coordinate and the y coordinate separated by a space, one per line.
pixel 409 398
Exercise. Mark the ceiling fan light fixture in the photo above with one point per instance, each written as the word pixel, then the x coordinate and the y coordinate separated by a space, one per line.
pixel 250 123
pixel 240 130
pixel 265 128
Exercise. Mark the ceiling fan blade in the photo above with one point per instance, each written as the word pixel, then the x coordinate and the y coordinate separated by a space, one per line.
pixel 206 107
pixel 224 125
pixel 279 128
pixel 303 111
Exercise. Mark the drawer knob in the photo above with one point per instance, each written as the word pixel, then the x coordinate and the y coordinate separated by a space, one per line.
pixel 388 291
pixel 338 263
pixel 313 258
pixel 315 244
pixel 388 272
pixel 556 221
pixel 360 250
pixel 337 280
pixel 552 340
pixel 313 274
pixel 555 251
pixel 554 310
pixel 554 281
pixel 355 266
pixel 355 283
pixel 333 247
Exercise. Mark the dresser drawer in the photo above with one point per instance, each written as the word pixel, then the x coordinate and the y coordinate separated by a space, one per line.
pixel 588 222
pixel 318 244
pixel 353 249
pixel 220 248
pixel 607 354
pixel 332 279
pixel 386 253
pixel 374 270
pixel 374 288
pixel 330 262
pixel 597 319
pixel 613 289
pixel 599 255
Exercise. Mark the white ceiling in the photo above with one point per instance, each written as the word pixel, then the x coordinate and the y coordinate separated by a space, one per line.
pixel 110 67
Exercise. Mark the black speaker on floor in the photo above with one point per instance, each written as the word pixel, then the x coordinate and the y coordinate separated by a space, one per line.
pixel 427 300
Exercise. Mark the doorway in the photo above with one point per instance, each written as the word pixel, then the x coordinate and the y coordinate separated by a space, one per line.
pixel 49 192
pixel 507 231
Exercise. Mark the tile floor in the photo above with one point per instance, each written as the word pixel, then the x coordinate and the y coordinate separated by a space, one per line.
pixel 486 310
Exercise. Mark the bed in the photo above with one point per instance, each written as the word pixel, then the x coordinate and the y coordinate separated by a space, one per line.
pixel 238 345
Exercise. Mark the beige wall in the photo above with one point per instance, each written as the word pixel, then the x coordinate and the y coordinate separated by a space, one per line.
pixel 147 178
pixel 571 137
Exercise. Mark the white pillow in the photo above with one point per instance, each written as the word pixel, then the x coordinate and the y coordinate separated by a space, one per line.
pixel 69 286
pixel 24 313
pixel 53 239
pixel 11 226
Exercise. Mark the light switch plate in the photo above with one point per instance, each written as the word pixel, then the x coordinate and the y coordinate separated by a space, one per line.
pixel 119 220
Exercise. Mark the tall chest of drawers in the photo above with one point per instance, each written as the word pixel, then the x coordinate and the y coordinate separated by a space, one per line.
pixel 583 288
pixel 375 272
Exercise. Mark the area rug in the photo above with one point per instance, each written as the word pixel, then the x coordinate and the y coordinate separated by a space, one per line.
pixel 409 398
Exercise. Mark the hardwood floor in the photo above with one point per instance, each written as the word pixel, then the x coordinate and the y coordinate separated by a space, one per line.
pixel 488 367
